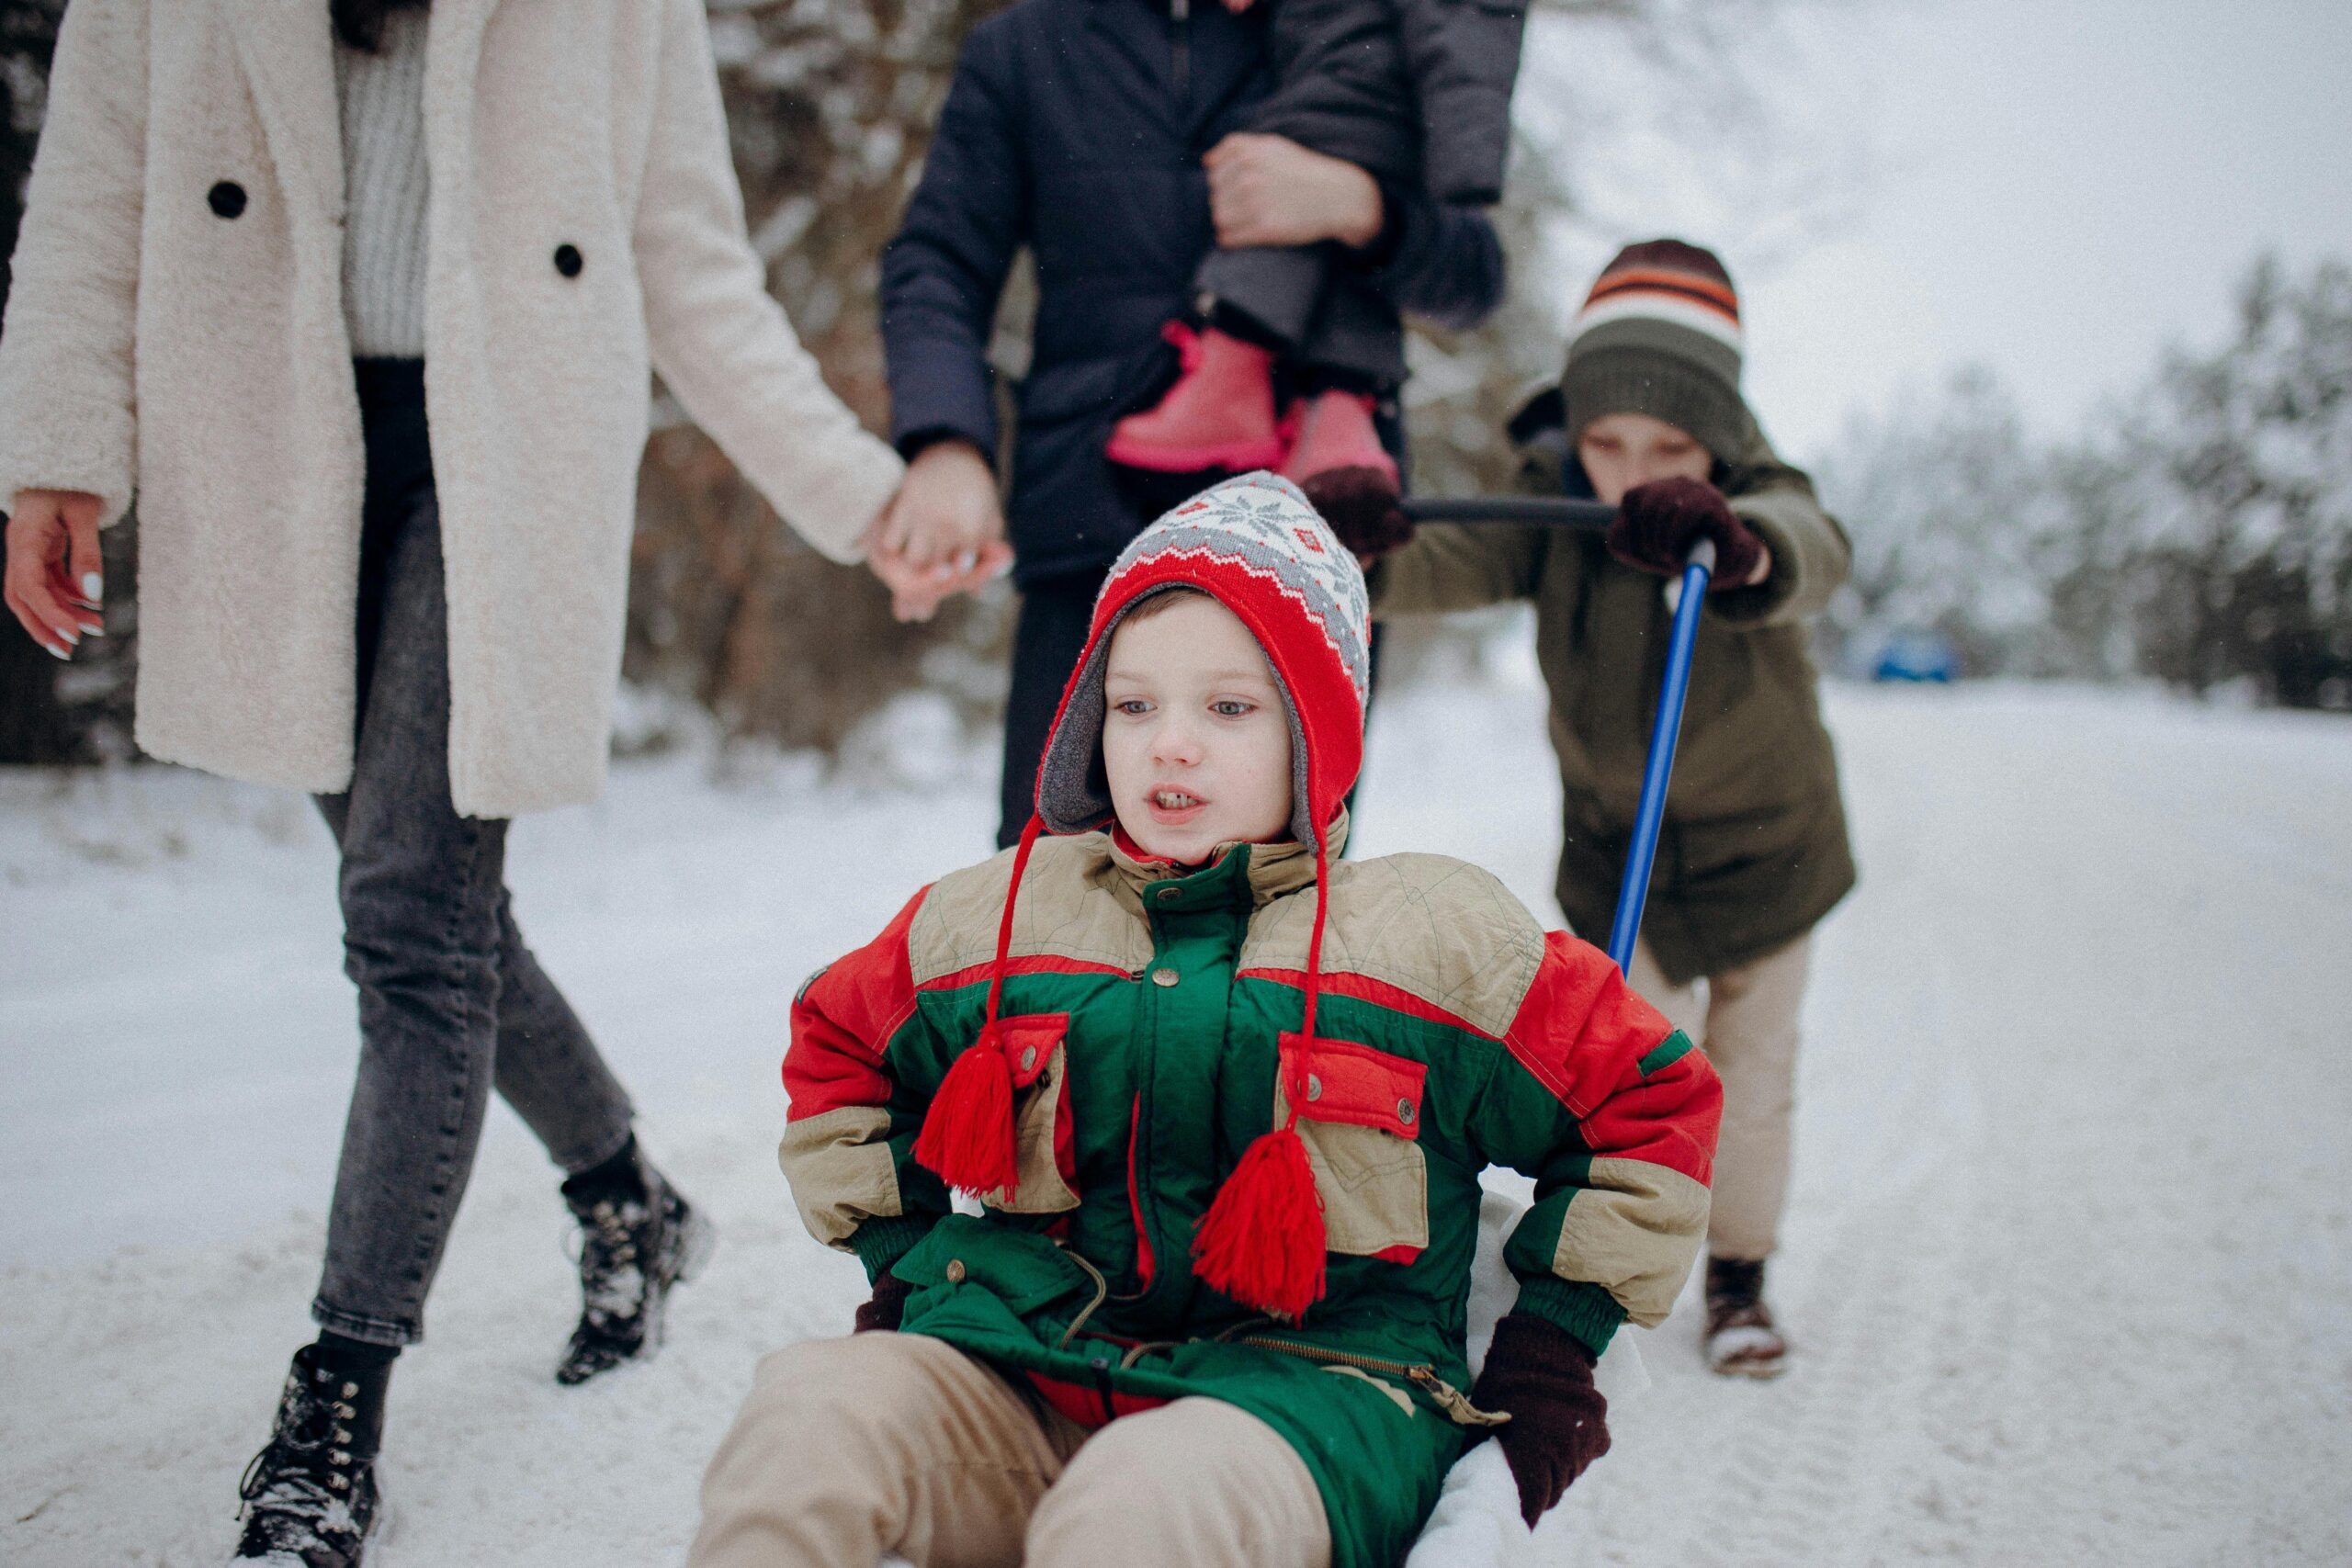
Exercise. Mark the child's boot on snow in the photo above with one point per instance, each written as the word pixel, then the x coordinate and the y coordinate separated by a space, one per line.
pixel 1741 1338
pixel 1219 414
pixel 638 1238
pixel 310 1496
pixel 1337 458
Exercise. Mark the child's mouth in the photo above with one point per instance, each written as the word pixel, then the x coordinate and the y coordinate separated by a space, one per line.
pixel 1174 806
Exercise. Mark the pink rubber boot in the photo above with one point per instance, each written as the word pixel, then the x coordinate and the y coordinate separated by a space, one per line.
pixel 1336 457
pixel 1219 414
pixel 1335 431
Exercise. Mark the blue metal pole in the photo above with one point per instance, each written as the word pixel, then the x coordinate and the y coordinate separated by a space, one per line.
pixel 1658 772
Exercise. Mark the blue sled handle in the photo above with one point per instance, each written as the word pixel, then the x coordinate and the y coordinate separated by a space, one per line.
pixel 1658 772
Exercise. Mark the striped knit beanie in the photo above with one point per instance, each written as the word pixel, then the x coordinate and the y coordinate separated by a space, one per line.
pixel 1659 334
pixel 1255 546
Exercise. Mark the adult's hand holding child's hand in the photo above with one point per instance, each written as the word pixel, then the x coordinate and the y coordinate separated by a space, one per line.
pixel 1657 524
pixel 1542 1375
pixel 54 585
pixel 942 534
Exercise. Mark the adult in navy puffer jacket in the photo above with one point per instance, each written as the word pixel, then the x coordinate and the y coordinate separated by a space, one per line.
pixel 1077 127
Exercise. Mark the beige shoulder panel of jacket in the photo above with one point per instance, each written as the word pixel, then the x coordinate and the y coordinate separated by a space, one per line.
pixel 1441 929
pixel 1810 555
pixel 1074 904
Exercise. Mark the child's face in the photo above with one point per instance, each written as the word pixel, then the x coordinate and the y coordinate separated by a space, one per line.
pixel 1621 451
pixel 1196 738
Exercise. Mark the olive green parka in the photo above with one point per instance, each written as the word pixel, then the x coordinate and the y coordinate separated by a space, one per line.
pixel 1754 851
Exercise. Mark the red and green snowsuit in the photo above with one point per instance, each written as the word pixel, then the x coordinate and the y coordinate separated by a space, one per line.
pixel 1094 1042
pixel 1142 1012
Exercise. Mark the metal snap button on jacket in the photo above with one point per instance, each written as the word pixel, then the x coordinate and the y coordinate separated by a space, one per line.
pixel 955 1271
pixel 1164 977
pixel 567 260
pixel 227 199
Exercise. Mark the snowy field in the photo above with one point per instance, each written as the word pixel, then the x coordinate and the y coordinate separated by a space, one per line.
pixel 2068 1269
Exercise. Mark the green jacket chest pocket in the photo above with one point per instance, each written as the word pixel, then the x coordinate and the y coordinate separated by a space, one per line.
pixel 1361 1125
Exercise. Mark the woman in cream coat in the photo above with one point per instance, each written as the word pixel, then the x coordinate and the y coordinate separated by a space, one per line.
pixel 360 300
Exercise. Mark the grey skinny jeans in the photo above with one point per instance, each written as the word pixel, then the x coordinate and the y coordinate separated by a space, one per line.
pixel 452 1003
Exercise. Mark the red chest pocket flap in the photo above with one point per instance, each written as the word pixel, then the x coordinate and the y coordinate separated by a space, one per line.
pixel 1357 1085
pixel 1028 1042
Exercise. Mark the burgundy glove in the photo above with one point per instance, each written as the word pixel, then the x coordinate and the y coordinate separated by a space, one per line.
pixel 1659 523
pixel 1542 1375
pixel 887 1307
pixel 1361 505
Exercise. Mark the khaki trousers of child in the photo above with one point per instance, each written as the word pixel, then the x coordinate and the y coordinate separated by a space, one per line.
pixel 848 1449
pixel 1746 1021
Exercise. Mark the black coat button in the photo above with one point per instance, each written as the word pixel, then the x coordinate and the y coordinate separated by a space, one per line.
pixel 567 261
pixel 228 198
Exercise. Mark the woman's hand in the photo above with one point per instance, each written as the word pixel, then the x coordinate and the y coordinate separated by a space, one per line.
pixel 1268 190
pixel 56 585
pixel 942 534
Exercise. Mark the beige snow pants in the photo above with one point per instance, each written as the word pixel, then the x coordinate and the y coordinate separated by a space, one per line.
pixel 1747 1023
pixel 850 1447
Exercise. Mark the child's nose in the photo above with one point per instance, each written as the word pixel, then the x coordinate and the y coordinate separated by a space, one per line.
pixel 1176 743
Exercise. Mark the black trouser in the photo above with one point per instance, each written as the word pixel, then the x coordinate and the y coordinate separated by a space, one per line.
pixel 452 1004
pixel 1055 613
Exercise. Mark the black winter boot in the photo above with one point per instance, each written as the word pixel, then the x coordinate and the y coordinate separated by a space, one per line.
pixel 638 1238
pixel 310 1496
pixel 1741 1338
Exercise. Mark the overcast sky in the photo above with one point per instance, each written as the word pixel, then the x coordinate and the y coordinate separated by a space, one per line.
pixel 2053 189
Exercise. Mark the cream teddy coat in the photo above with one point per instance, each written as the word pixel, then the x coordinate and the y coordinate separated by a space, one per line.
pixel 175 328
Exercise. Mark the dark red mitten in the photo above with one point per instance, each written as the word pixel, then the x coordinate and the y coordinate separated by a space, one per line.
pixel 1559 1423
pixel 887 1307
pixel 1363 506
pixel 1659 523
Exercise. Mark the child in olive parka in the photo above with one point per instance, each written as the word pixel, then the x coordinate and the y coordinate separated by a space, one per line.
pixel 1225 1098
pixel 1648 416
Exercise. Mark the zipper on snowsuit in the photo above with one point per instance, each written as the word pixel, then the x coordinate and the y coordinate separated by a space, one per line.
pixel 1450 1399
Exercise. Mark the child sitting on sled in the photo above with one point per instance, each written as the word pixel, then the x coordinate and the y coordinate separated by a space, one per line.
pixel 1225 1099
pixel 1417 93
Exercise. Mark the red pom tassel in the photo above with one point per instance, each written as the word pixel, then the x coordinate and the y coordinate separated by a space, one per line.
pixel 1261 1241
pixel 967 1137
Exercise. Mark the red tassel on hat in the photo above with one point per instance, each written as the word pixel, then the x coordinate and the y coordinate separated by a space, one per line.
pixel 966 1138
pixel 1261 1242
pixel 967 1133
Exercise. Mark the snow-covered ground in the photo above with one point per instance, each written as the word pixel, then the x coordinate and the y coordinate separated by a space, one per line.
pixel 2069 1264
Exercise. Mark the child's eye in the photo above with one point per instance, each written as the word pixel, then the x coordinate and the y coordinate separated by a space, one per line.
pixel 1132 707
pixel 1232 707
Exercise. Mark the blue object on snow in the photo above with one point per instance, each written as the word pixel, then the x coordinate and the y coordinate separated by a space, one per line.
pixel 1916 656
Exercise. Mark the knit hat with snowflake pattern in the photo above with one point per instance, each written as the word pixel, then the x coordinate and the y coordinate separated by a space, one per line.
pixel 1255 546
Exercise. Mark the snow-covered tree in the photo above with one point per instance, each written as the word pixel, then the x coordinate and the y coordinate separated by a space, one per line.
pixel 2236 480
